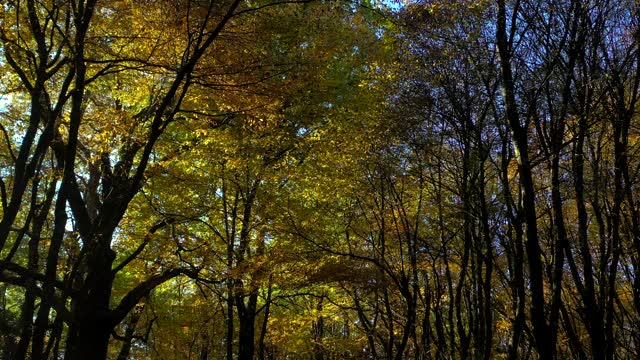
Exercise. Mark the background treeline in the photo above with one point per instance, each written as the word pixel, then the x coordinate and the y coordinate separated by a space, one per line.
pixel 190 179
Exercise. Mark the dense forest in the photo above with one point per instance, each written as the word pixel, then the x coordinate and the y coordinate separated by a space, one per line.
pixel 319 179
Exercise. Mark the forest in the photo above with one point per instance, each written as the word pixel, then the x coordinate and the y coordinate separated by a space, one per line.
pixel 319 179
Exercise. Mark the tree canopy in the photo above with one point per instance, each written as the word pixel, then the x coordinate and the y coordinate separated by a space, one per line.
pixel 190 179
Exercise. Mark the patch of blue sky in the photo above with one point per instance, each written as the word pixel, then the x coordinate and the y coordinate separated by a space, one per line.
pixel 5 100
pixel 395 5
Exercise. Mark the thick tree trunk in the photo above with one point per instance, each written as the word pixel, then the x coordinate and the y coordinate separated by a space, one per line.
pixel 92 323
pixel 91 337
pixel 246 336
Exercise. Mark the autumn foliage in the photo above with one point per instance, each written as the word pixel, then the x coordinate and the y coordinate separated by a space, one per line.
pixel 234 179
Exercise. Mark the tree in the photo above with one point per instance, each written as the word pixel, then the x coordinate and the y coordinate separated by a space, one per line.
pixel 63 60
pixel 319 179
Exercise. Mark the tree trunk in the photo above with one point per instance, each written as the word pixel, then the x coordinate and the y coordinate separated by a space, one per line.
pixel 92 324
pixel 125 349
pixel 543 342
pixel 246 336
